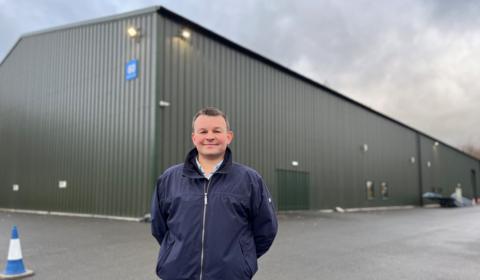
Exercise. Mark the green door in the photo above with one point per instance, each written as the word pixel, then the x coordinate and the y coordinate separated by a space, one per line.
pixel 293 190
pixel 474 184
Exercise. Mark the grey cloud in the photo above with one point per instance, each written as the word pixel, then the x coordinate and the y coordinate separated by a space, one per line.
pixel 455 16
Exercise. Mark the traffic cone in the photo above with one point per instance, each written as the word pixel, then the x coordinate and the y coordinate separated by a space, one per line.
pixel 15 268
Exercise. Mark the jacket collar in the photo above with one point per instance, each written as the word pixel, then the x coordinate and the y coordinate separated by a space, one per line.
pixel 190 168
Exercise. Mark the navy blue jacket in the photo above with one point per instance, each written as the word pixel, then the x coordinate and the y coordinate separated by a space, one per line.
pixel 211 229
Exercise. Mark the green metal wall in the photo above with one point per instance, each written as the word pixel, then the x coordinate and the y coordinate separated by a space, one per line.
pixel 447 169
pixel 278 118
pixel 67 113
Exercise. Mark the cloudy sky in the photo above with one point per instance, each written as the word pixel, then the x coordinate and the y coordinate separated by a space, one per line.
pixel 417 61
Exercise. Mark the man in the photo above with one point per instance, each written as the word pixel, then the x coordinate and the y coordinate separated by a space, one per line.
pixel 212 217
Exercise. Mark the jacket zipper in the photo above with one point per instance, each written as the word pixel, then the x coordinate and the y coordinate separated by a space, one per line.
pixel 205 202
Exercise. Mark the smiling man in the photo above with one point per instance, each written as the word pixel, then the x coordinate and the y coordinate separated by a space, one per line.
pixel 212 217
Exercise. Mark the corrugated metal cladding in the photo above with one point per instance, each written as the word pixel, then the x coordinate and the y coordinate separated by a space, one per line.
pixel 68 114
pixel 278 119
pixel 443 169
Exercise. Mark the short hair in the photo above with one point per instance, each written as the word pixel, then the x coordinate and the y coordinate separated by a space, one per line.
pixel 212 112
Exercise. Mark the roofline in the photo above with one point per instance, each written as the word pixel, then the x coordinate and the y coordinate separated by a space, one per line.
pixel 197 27
pixel 194 26
pixel 104 19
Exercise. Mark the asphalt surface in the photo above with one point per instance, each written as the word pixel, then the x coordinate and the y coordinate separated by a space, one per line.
pixel 397 244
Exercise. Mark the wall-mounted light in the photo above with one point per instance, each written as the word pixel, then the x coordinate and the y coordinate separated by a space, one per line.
pixel 295 163
pixel 185 34
pixel 412 160
pixel 365 147
pixel 164 103
pixel 134 32
pixel 429 164
pixel 62 184
pixel 435 144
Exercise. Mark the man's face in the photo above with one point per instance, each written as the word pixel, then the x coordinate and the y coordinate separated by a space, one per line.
pixel 211 137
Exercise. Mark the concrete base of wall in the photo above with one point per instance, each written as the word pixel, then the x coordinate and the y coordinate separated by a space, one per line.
pixel 81 215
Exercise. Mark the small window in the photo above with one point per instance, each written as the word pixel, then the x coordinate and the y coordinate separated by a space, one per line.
pixel 370 190
pixel 384 190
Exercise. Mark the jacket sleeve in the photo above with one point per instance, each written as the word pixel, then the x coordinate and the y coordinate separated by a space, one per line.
pixel 158 215
pixel 264 224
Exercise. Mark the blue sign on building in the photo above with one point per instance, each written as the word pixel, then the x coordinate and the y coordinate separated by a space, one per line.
pixel 131 70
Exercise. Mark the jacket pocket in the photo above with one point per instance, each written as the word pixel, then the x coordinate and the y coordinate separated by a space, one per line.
pixel 249 257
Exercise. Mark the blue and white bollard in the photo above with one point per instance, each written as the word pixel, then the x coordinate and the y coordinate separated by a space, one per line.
pixel 15 267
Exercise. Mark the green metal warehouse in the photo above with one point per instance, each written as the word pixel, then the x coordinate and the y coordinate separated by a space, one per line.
pixel 90 116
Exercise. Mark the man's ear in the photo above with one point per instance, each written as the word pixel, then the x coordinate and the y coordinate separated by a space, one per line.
pixel 229 136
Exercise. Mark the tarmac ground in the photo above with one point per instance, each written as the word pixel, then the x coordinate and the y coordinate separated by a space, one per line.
pixel 417 243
